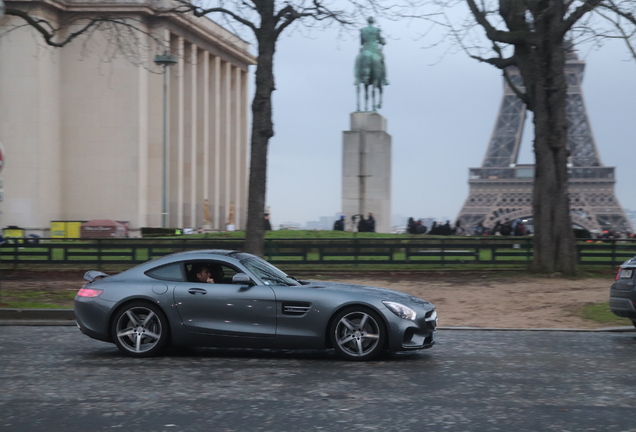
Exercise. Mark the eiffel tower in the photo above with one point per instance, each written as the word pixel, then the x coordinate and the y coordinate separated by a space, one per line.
pixel 502 189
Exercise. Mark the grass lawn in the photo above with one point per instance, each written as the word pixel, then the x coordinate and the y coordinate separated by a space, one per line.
pixel 600 313
pixel 37 299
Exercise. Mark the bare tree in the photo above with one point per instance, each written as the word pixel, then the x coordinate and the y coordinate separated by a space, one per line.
pixel 534 36
pixel 267 20
pixel 128 35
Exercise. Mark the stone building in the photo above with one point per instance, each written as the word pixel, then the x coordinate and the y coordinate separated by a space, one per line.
pixel 82 125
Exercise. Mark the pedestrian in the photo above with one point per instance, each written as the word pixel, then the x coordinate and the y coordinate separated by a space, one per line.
pixel 370 223
pixel 520 229
pixel 411 226
pixel 339 225
pixel 267 223
pixel 446 228
pixel 458 228
pixel 420 227
pixel 362 224
pixel 506 228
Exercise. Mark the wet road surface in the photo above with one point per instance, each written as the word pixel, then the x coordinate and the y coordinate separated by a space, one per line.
pixel 55 379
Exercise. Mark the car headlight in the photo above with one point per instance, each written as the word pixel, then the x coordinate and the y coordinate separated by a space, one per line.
pixel 400 310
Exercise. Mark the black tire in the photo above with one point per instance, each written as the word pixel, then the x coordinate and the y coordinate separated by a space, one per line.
pixel 357 333
pixel 140 329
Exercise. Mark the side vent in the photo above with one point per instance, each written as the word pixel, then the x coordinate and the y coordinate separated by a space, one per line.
pixel 296 308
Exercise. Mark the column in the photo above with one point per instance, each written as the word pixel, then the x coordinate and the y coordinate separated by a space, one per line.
pixel 205 91
pixel 216 133
pixel 193 137
pixel 143 149
pixel 180 130
pixel 227 142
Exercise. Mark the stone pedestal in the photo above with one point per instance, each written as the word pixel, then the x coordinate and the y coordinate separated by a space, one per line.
pixel 366 169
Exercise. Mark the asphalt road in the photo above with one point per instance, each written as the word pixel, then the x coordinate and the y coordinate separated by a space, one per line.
pixel 55 379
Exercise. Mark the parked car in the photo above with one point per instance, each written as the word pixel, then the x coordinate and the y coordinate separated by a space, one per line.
pixel 251 304
pixel 623 291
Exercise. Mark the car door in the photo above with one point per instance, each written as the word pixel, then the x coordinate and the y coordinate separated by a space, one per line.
pixel 226 309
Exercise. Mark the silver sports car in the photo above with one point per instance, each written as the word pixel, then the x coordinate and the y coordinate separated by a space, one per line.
pixel 218 298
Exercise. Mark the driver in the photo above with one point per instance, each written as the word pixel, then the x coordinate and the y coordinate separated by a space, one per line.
pixel 202 273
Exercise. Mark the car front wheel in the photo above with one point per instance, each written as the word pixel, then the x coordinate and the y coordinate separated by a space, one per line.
pixel 358 334
pixel 140 329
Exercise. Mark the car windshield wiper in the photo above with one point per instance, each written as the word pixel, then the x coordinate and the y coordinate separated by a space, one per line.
pixel 294 279
pixel 272 276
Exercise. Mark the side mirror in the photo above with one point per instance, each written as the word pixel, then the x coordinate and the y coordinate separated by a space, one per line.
pixel 242 279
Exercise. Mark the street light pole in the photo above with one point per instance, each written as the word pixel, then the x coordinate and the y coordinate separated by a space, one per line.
pixel 164 60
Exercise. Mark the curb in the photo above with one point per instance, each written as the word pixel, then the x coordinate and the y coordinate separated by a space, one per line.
pixel 41 323
pixel 37 314
pixel 66 317
pixel 599 330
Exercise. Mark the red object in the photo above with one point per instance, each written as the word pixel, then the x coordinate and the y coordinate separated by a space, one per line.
pixel 88 292
pixel 103 228
pixel 1 157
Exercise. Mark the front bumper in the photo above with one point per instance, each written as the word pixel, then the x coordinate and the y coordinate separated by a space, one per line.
pixel 409 335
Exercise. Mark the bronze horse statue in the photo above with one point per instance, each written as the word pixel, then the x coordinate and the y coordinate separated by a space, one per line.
pixel 370 69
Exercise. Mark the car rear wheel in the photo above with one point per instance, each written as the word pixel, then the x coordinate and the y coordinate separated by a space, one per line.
pixel 358 334
pixel 140 329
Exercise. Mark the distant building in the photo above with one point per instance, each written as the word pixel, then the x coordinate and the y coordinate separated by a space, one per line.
pixel 323 223
pixel 83 137
pixel 289 226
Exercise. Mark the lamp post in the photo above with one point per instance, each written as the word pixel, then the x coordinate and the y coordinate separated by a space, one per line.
pixel 164 60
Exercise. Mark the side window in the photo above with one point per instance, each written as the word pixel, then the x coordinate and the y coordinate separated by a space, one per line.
pixel 228 273
pixel 220 272
pixel 169 272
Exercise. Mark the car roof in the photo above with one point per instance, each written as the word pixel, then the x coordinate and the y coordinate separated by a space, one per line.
pixel 224 252
pixel 201 254
pixel 629 263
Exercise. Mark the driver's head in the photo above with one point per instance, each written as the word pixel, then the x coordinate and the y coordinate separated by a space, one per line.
pixel 200 271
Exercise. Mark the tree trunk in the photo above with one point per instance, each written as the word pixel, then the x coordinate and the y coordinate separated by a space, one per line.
pixel 554 243
pixel 262 131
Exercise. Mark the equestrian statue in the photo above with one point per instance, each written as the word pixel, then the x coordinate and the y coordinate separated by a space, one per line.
pixel 370 69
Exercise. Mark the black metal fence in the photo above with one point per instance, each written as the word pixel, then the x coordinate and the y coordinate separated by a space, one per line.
pixel 434 251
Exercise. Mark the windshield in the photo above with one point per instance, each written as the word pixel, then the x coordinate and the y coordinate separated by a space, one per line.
pixel 267 273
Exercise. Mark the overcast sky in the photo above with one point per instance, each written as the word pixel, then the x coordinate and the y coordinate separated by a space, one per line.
pixel 440 115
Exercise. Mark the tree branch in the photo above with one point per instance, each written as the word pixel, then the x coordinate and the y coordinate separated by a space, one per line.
pixel 578 13
pixel 611 6
pixel 198 11
pixel 515 89
pixel 621 30
pixel 508 37
pixel 318 11
pixel 498 62
pixel 49 34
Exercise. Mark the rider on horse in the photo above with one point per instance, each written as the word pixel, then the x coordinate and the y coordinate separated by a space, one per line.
pixel 370 69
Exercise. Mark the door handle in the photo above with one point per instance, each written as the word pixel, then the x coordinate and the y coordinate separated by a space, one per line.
pixel 197 291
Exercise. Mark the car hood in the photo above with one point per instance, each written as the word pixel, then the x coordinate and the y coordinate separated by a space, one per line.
pixel 379 293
